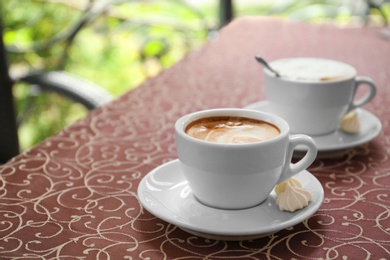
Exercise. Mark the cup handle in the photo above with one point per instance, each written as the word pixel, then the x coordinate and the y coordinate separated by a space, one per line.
pixel 366 98
pixel 292 169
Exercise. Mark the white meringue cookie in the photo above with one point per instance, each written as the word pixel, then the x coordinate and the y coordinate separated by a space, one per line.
pixel 281 187
pixel 350 123
pixel 293 198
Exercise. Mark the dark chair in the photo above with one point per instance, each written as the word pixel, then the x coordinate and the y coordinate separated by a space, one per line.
pixel 86 93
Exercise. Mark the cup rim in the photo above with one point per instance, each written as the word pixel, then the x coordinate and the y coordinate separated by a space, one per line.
pixel 270 74
pixel 185 120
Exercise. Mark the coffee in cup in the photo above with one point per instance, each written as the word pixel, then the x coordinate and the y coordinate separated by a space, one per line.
pixel 313 70
pixel 313 94
pixel 233 158
pixel 232 130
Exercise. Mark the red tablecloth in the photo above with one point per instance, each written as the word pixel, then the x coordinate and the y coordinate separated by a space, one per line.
pixel 74 195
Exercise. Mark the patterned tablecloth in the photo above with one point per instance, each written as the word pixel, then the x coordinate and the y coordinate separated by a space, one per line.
pixel 74 196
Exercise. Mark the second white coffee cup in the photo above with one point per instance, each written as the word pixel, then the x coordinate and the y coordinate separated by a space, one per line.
pixel 236 176
pixel 312 94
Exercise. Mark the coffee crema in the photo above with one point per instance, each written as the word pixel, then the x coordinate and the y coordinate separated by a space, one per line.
pixel 232 130
pixel 313 69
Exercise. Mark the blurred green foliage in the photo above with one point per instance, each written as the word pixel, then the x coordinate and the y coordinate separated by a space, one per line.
pixel 118 49
pixel 113 43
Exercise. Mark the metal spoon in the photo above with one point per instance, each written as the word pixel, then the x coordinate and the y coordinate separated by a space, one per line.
pixel 265 64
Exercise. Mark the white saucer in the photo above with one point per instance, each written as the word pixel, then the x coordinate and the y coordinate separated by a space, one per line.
pixel 338 140
pixel 165 193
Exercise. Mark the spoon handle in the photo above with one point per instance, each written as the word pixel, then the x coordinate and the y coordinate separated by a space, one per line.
pixel 265 64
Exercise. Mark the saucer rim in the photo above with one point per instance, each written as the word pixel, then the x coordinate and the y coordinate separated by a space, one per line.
pixel 229 234
pixel 338 146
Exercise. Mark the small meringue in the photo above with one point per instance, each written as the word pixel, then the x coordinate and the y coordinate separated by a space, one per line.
pixel 281 187
pixel 293 198
pixel 350 123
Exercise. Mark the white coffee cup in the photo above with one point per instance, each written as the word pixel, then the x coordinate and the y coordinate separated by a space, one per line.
pixel 236 176
pixel 313 94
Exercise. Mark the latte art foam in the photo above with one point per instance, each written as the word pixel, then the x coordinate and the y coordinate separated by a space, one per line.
pixel 232 130
pixel 313 69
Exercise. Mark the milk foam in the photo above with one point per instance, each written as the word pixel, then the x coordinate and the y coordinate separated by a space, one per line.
pixel 313 69
pixel 232 130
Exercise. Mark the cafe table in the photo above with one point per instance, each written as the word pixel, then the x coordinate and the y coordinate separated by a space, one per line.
pixel 75 195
